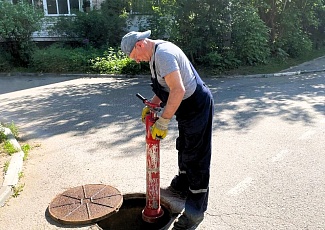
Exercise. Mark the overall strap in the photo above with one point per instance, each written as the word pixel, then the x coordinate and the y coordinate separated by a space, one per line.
pixel 156 87
pixel 154 62
pixel 196 75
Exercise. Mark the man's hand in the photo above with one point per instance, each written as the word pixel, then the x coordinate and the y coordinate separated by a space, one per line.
pixel 159 129
pixel 145 112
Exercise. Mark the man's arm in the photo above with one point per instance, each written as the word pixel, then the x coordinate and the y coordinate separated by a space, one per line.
pixel 176 94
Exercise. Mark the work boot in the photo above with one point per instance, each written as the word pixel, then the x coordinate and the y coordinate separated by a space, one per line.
pixel 179 185
pixel 186 223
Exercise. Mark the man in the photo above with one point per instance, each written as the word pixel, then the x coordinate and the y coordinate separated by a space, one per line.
pixel 176 83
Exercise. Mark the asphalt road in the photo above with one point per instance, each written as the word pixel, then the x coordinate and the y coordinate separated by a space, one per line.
pixel 268 159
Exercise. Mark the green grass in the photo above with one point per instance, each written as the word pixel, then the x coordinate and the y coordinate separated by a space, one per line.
pixel 25 148
pixel 9 148
pixel 17 190
pixel 6 167
pixel 20 175
pixel 13 128
pixel 3 137
pixel 5 145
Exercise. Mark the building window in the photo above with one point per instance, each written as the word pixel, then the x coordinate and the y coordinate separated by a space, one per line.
pixel 62 7
pixel 58 7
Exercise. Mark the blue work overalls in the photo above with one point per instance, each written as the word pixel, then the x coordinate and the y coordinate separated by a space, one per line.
pixel 194 117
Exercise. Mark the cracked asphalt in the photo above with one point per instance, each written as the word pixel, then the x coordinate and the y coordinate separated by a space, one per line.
pixel 268 160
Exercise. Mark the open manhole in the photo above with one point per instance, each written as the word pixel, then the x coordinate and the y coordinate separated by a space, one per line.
pixel 130 216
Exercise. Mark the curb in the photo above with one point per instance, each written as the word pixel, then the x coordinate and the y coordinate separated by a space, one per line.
pixel 294 73
pixel 11 177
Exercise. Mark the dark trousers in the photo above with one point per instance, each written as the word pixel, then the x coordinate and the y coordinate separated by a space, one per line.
pixel 194 117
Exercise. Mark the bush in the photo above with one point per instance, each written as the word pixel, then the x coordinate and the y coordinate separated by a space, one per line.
pixel 56 59
pixel 220 62
pixel 88 29
pixel 297 44
pixel 115 61
pixel 250 36
pixel 5 61
pixel 59 59
pixel 98 28
pixel 17 23
pixel 293 39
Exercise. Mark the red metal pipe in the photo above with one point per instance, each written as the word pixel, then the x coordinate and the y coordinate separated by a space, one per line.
pixel 152 211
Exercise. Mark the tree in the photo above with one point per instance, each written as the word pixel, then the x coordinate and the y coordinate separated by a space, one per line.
pixel 249 35
pixel 199 25
pixel 290 23
pixel 115 16
pixel 17 23
pixel 220 33
pixel 102 27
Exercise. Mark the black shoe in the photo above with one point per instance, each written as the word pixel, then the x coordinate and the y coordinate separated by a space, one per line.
pixel 186 223
pixel 180 183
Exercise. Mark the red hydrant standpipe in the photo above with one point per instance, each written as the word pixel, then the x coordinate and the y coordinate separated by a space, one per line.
pixel 152 210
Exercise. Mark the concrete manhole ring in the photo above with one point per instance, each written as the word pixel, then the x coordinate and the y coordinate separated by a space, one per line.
pixel 85 204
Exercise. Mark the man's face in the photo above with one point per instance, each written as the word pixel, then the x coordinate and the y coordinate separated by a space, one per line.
pixel 139 52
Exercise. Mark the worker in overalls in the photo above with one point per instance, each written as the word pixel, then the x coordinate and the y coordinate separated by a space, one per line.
pixel 176 83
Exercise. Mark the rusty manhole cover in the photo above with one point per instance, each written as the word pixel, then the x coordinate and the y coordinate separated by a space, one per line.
pixel 85 204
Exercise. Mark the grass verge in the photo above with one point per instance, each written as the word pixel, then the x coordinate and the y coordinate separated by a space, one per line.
pixel 6 150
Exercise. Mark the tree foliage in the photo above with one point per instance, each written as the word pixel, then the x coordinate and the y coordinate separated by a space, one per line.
pixel 97 27
pixel 291 23
pixel 17 23
pixel 249 35
pixel 115 16
pixel 226 33
pixel 218 33
pixel 222 34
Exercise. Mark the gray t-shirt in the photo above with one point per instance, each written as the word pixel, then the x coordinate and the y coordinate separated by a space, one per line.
pixel 169 58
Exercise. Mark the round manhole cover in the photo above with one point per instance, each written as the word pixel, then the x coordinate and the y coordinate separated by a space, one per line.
pixel 85 204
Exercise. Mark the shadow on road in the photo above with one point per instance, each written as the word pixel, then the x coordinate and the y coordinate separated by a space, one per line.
pixel 241 103
pixel 22 82
pixel 84 108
